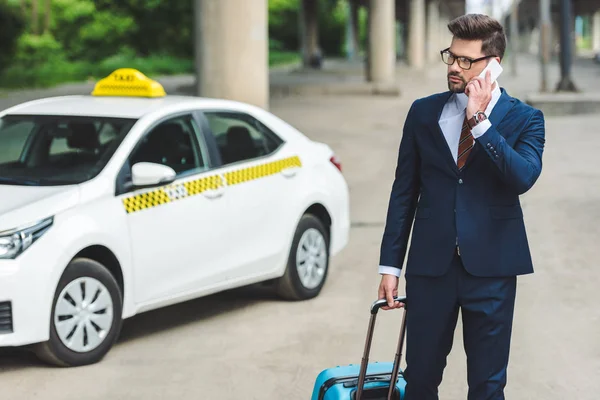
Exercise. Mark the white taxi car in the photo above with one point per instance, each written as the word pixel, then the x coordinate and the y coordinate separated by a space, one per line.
pixel 128 199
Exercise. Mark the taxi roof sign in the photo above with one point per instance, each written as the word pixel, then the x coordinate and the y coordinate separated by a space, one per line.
pixel 128 82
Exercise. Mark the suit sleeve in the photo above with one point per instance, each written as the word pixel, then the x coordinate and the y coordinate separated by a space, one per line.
pixel 403 199
pixel 519 166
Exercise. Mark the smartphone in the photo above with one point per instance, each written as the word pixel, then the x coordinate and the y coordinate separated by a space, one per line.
pixel 496 69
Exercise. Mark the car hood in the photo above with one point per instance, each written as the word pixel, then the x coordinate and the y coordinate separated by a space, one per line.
pixel 21 205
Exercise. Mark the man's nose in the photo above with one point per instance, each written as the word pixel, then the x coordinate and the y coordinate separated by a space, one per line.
pixel 454 68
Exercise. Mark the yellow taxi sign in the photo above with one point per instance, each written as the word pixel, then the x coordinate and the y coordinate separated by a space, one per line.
pixel 128 82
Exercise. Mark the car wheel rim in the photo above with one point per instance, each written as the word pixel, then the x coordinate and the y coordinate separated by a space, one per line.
pixel 83 314
pixel 311 258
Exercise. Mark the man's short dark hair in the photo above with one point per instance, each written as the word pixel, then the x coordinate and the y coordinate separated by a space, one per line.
pixel 480 27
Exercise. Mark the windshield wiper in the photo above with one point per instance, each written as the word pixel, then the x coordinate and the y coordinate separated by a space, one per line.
pixel 16 181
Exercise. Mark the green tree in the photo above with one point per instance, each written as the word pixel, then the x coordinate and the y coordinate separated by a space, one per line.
pixel 161 26
pixel 284 28
pixel 89 33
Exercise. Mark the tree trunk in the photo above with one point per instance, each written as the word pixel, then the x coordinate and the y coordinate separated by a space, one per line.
pixel 48 16
pixel 34 17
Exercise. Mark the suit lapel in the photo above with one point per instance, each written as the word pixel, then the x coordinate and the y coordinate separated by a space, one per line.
pixel 503 106
pixel 438 135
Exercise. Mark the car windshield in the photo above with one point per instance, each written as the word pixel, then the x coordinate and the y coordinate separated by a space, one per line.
pixel 57 150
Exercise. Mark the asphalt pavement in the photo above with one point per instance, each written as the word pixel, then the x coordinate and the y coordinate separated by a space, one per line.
pixel 247 344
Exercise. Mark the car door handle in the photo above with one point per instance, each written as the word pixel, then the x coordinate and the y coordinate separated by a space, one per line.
pixel 289 172
pixel 214 193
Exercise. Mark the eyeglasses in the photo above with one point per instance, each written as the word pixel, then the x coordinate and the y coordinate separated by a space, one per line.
pixel 463 62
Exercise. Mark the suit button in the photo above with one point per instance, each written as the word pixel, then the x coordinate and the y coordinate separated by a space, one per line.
pixel 460 181
pixel 489 145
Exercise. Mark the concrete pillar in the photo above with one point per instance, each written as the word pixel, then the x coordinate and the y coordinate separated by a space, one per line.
pixel 311 54
pixel 556 36
pixel 444 36
pixel 545 42
pixel 596 31
pixel 514 37
pixel 401 39
pixel 417 34
pixel 231 50
pixel 433 28
pixel 382 41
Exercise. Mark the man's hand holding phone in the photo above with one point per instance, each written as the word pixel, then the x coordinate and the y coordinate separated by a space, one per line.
pixel 479 91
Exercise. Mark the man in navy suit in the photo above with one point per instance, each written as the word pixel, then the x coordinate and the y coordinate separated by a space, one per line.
pixel 465 157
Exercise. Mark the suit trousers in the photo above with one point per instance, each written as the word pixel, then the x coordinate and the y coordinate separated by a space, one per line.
pixel 487 307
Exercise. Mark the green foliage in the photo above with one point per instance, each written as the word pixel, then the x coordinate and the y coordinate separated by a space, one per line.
pixel 160 25
pixel 61 71
pixel 284 19
pixel 49 73
pixel 284 29
pixel 283 57
pixel 12 25
pixel 36 50
pixel 88 39
pixel 332 26
pixel 88 33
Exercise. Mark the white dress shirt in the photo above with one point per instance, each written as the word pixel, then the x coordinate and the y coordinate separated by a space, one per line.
pixel 451 121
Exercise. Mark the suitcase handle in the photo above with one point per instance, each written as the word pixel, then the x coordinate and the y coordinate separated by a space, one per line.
pixel 365 359
pixel 383 302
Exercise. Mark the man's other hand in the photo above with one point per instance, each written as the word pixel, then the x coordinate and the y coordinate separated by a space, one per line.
pixel 388 288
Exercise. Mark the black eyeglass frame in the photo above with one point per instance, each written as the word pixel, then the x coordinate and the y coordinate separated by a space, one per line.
pixel 471 60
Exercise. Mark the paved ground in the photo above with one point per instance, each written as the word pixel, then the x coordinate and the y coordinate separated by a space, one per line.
pixel 245 344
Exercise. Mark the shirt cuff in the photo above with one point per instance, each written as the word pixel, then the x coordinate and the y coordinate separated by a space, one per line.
pixel 385 270
pixel 481 128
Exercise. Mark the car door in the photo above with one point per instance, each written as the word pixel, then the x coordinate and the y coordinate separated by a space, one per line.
pixel 175 230
pixel 260 173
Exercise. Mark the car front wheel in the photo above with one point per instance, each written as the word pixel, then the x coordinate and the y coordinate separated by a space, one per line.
pixel 86 316
pixel 308 262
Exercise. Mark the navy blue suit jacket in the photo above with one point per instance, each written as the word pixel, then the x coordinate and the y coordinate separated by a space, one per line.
pixel 479 205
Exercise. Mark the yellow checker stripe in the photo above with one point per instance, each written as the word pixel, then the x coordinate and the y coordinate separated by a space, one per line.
pixel 261 171
pixel 146 200
pixel 200 185
pixel 172 193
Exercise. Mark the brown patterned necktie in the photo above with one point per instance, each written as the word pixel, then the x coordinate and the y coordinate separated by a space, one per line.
pixel 465 144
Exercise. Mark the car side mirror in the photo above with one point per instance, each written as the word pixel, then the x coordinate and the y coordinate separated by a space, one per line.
pixel 145 174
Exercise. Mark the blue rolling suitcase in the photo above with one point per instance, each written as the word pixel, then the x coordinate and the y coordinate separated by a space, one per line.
pixel 369 381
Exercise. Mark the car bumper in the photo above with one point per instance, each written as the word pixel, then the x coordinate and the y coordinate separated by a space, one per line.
pixel 340 234
pixel 26 291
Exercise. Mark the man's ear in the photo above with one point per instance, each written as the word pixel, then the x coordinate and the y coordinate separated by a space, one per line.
pixel 498 59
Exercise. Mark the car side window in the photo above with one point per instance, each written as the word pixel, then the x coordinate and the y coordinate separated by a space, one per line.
pixel 241 137
pixel 172 143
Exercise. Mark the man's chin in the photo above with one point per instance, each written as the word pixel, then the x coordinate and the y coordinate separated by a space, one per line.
pixel 456 87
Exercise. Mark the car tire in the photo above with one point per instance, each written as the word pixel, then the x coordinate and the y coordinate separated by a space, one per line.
pixel 89 324
pixel 310 234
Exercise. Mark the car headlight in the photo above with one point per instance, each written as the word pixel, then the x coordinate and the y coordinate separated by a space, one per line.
pixel 16 241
